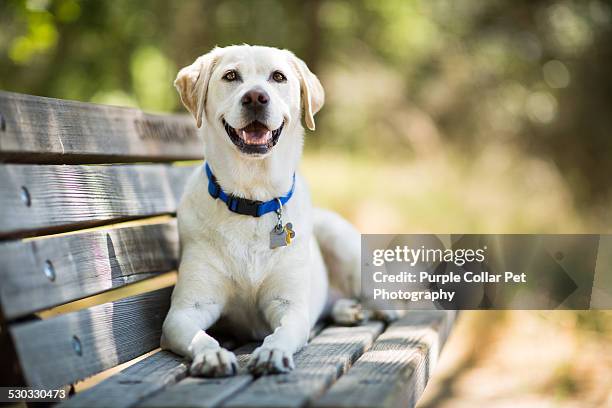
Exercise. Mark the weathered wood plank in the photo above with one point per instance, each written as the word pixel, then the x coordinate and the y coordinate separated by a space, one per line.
pixel 318 365
pixel 75 345
pixel 198 392
pixel 37 199
pixel 135 383
pixel 204 392
pixel 394 372
pixel 46 130
pixel 42 273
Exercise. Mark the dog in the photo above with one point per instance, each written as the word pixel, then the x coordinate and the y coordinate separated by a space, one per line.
pixel 254 252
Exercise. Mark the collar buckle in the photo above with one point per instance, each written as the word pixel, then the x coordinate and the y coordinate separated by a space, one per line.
pixel 244 206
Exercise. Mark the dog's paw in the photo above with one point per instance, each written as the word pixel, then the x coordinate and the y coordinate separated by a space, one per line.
pixel 268 360
pixel 217 362
pixel 348 312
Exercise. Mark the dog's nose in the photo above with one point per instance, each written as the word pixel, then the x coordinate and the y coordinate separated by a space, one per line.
pixel 255 97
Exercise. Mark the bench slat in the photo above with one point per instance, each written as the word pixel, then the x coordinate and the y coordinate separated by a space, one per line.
pixel 70 347
pixel 327 357
pixel 37 199
pixel 395 370
pixel 46 130
pixel 42 273
pixel 198 392
pixel 130 386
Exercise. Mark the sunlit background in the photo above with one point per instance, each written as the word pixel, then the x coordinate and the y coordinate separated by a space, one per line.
pixel 441 116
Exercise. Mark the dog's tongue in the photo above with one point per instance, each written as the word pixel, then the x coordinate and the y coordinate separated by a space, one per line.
pixel 255 133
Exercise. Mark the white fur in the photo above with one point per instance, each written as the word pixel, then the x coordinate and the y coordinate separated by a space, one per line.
pixel 227 269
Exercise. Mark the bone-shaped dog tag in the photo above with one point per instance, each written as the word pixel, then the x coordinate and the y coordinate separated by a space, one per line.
pixel 289 233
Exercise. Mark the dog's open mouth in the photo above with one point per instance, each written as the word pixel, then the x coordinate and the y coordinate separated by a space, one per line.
pixel 255 138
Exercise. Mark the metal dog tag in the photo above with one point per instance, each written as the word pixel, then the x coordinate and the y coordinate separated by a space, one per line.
pixel 278 237
pixel 281 235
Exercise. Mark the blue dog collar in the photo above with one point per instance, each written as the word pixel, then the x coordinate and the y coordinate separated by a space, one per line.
pixel 245 206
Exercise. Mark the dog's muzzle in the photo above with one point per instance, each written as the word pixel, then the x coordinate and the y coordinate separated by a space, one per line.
pixel 255 138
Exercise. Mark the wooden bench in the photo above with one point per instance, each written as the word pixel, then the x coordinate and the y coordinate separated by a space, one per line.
pixel 89 255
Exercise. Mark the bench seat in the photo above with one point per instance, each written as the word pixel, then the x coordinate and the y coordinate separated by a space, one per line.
pixel 89 252
pixel 361 366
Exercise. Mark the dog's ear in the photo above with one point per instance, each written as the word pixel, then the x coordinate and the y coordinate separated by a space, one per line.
pixel 192 84
pixel 312 94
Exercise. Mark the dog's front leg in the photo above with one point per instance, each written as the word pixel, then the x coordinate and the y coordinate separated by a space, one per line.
pixel 287 314
pixel 196 306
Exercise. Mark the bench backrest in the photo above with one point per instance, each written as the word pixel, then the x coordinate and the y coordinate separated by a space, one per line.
pixel 55 186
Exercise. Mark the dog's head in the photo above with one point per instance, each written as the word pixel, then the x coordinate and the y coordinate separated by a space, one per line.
pixel 250 95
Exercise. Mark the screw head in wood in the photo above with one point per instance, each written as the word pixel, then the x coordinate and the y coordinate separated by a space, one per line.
pixel 76 346
pixel 25 196
pixel 49 270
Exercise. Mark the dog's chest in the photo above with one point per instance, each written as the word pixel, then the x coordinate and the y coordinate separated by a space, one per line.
pixel 244 244
pixel 249 264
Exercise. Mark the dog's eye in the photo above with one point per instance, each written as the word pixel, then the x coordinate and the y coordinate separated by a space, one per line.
pixel 230 76
pixel 279 76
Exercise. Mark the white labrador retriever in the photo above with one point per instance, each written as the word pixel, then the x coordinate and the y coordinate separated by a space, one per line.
pixel 241 261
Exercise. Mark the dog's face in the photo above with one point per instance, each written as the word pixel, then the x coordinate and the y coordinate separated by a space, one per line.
pixel 250 95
